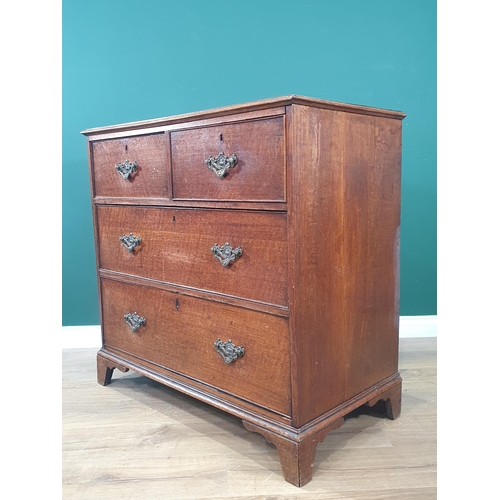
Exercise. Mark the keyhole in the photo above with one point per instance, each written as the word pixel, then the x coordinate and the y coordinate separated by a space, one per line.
pixel 177 304
pixel 221 138
pixel 173 219
pixel 126 147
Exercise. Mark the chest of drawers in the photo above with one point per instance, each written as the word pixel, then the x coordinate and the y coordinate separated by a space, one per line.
pixel 249 256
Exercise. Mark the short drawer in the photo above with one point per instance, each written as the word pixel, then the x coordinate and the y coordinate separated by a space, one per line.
pixel 177 246
pixel 179 332
pixel 144 156
pixel 257 175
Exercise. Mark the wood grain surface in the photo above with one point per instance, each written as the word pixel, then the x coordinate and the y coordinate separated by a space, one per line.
pixel 137 439
pixel 176 245
pixel 180 332
pixel 343 255
pixel 259 173
pixel 150 179
pixel 371 234
pixel 326 267
pixel 263 105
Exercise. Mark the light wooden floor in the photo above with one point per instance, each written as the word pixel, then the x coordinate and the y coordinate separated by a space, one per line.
pixel 138 440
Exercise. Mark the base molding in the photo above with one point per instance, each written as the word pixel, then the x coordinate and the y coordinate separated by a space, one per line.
pixel 297 454
pixel 296 446
pixel 296 457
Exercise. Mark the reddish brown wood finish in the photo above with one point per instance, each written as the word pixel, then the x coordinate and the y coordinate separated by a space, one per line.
pixel 150 179
pixel 314 203
pixel 180 333
pixel 242 111
pixel 315 260
pixel 296 455
pixel 201 294
pixel 343 265
pixel 259 173
pixel 176 245
pixel 372 187
pixel 392 399
pixel 105 369
pixel 239 407
pixel 164 202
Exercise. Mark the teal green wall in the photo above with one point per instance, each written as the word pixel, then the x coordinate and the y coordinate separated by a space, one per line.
pixel 128 60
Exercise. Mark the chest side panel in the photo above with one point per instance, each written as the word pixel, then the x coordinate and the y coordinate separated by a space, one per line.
pixel 372 194
pixel 344 265
pixel 315 221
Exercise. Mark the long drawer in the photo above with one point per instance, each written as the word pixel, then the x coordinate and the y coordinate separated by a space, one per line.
pixel 186 247
pixel 179 332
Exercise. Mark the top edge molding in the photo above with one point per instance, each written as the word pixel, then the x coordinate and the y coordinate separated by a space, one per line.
pixel 250 106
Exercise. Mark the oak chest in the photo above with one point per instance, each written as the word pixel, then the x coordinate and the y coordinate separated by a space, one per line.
pixel 249 256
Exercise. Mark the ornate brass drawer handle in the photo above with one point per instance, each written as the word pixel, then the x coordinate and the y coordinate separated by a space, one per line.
pixel 126 168
pixel 134 322
pixel 228 351
pixel 130 241
pixel 225 254
pixel 221 164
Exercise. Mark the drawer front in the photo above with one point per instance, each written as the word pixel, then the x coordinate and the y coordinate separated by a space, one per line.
pixel 176 247
pixel 149 179
pixel 179 332
pixel 259 172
